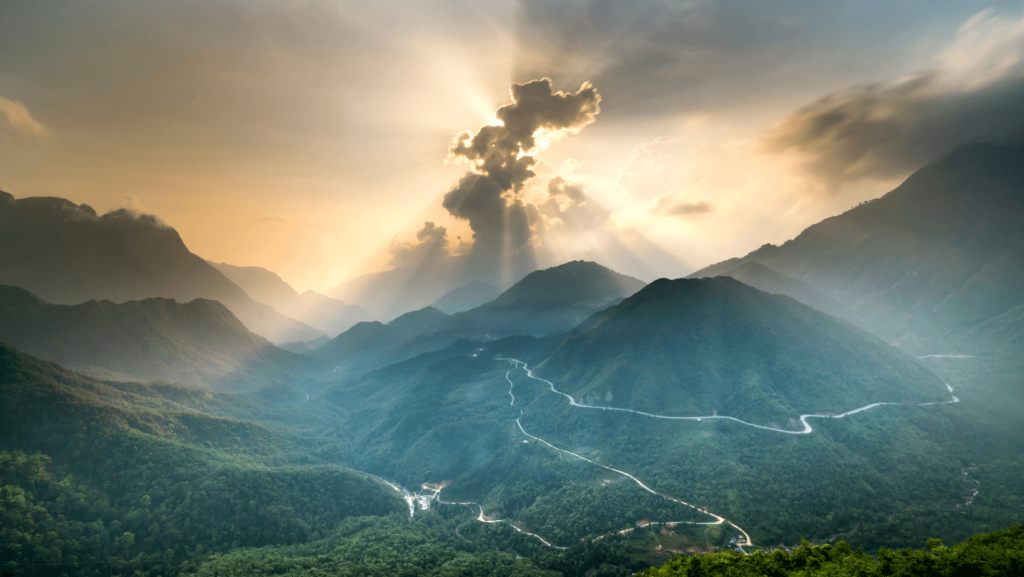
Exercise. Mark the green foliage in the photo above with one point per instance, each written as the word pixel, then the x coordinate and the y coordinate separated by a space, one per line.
pixel 116 486
pixel 998 553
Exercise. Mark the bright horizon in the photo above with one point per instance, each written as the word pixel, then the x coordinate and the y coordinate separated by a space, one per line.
pixel 313 139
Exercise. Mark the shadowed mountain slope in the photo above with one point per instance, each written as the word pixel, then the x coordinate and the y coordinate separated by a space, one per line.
pixel 199 342
pixel 66 254
pixel 466 297
pixel 755 274
pixel 942 252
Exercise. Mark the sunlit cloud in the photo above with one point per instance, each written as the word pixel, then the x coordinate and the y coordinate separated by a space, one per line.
pixel 972 93
pixel 15 119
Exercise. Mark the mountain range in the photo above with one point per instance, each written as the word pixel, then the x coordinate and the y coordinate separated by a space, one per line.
pixel 545 301
pixel 199 342
pixel 717 346
pixel 66 254
pixel 925 264
pixel 331 316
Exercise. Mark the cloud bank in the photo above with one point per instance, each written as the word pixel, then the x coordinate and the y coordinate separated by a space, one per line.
pixel 973 93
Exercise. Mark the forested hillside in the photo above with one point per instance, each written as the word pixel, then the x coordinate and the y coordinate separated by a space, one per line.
pixel 98 479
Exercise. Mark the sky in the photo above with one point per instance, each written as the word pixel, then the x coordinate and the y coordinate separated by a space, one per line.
pixel 324 140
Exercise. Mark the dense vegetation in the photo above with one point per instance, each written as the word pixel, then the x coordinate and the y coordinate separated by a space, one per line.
pixel 694 347
pixel 94 480
pixel 998 553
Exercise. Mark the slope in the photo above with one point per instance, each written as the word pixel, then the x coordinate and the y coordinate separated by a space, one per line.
pixel 941 253
pixel 466 297
pixel 99 476
pixel 717 346
pixel 67 254
pixel 549 300
pixel 370 344
pixel 199 342
pixel 755 274
pixel 545 301
pixel 316 310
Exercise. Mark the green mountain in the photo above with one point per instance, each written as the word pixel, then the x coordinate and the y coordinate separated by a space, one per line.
pixel 67 254
pixel 717 346
pixel 316 310
pixel 466 297
pixel 923 264
pixel 119 478
pixel 199 342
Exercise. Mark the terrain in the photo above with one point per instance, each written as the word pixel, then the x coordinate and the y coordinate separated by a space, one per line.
pixel 937 257
pixel 66 254
pixel 331 316
pixel 857 388
pixel 199 342
pixel 545 301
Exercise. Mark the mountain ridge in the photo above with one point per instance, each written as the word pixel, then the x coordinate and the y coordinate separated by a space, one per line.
pixel 67 254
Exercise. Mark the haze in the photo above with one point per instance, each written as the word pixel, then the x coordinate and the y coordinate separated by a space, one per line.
pixel 312 138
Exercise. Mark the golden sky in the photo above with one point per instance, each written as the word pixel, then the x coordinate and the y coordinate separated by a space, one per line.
pixel 309 137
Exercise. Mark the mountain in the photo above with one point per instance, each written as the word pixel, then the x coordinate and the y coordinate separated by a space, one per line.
pixel 199 342
pixel 66 254
pixel 316 310
pixel 755 274
pixel 545 301
pixel 131 477
pixel 466 417
pixel 716 346
pixel 466 297
pixel 553 299
pixel 923 264
pixel 391 293
pixel 368 344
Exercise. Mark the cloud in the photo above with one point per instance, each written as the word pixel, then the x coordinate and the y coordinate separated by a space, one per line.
pixel 14 117
pixel 431 245
pixel 503 156
pixel 565 207
pixel 973 93
pixel 667 205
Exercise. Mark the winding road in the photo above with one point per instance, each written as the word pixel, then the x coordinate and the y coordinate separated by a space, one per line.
pixel 803 418
pixel 718 519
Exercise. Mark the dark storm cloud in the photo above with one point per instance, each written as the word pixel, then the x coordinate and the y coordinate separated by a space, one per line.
pixel 502 159
pixel 884 130
pixel 431 245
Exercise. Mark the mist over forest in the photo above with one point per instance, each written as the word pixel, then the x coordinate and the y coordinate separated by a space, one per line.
pixel 581 289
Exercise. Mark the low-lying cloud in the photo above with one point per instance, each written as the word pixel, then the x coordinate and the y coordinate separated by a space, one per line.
pixel 973 93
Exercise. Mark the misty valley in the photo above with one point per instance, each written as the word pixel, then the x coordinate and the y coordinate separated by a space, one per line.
pixel 466 289
pixel 579 421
